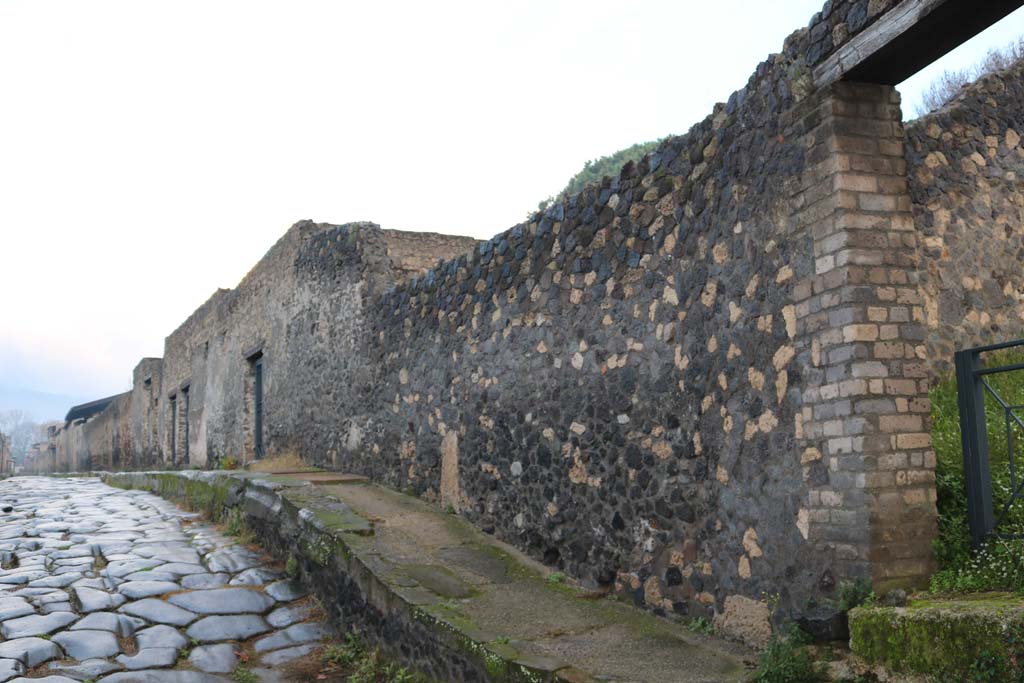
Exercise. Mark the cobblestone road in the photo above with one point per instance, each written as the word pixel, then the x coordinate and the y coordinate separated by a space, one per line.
pixel 115 586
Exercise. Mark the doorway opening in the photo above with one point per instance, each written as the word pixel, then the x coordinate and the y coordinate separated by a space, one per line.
pixel 255 406
pixel 186 403
pixel 174 428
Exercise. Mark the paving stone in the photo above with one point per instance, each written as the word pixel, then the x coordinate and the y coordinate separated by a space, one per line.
pixel 288 654
pixel 75 572
pixel 35 625
pixel 51 596
pixel 56 591
pixel 257 576
pixel 182 568
pixel 75 551
pixel 88 644
pixel 95 600
pixel 16 579
pixel 56 581
pixel 293 635
pixel 126 567
pixel 286 591
pixel 45 679
pixel 179 553
pixel 112 549
pixel 290 614
pixel 223 601
pixel 52 607
pixel 202 581
pixel 219 658
pixel 30 651
pixel 232 560
pixel 160 636
pixel 89 670
pixel 137 590
pixel 11 608
pixel 159 611
pixel 268 675
pixel 154 575
pixel 108 621
pixel 227 627
pixel 163 676
pixel 9 668
pixel 149 658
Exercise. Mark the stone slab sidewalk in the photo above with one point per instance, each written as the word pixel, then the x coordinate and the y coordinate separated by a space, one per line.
pixel 443 596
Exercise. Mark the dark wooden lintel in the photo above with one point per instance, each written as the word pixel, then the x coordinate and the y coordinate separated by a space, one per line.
pixel 908 38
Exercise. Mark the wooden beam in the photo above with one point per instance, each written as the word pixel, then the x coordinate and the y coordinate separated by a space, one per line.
pixel 909 37
pixel 869 41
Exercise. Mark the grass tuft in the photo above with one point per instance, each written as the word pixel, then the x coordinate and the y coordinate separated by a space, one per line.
pixel 244 674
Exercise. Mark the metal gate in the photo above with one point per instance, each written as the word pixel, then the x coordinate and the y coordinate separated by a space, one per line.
pixel 974 381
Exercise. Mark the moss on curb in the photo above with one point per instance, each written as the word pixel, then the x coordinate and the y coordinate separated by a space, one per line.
pixel 944 638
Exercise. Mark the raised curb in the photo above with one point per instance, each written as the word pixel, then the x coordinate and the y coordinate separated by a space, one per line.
pixel 299 521
pixel 943 637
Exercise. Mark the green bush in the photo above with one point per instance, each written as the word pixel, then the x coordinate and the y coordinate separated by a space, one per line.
pixel 787 660
pixel 854 594
pixel 596 169
pixel 701 625
pixel 346 654
pixel 358 664
pixel 1000 564
pixel 244 675
pixel 291 567
pixel 990 667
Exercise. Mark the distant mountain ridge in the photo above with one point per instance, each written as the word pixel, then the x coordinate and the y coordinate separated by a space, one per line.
pixel 42 406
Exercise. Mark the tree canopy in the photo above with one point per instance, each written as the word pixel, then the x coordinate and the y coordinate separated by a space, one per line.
pixel 948 84
pixel 595 169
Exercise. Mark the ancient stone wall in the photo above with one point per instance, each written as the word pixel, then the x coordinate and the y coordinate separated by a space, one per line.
pixel 186 351
pixel 300 312
pixel 6 463
pixel 35 460
pixel 71 448
pixel 106 442
pixel 41 457
pixel 701 382
pixel 413 253
pixel 205 361
pixel 144 415
pixel 966 171
pixel 100 441
pixel 656 382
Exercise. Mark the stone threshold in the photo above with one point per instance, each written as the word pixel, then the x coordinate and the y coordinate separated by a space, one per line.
pixel 439 595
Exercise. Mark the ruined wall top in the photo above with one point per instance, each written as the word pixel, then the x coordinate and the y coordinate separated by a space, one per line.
pixel 966 173
pixel 413 253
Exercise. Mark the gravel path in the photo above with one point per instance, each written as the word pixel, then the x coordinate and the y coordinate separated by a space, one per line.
pixel 112 586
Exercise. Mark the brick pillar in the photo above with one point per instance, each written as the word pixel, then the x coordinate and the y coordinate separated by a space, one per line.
pixel 866 446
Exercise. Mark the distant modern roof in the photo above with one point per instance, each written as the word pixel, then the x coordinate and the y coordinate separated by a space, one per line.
pixel 87 410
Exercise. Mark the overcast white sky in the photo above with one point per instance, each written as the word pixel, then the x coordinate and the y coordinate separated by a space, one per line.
pixel 151 152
